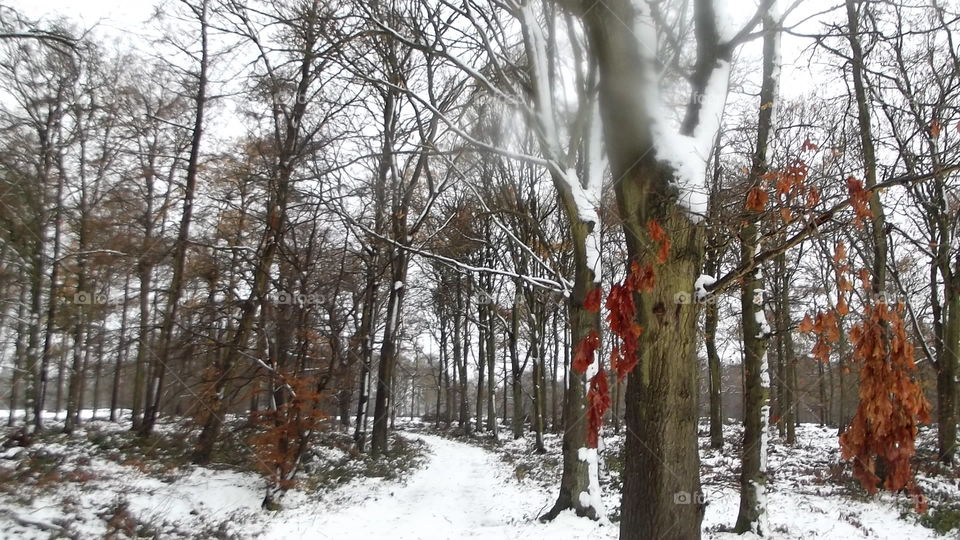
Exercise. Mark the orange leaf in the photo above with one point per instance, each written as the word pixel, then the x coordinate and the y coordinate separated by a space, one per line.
pixel 865 279
pixel 757 199
pixel 629 358
pixel 842 307
pixel 784 184
pixel 642 278
pixel 583 355
pixel 658 235
pixel 664 252
pixel 598 401
pixel 843 285
pixel 859 199
pixel 592 302
pixel 806 325
pixel 807 145
pixel 841 252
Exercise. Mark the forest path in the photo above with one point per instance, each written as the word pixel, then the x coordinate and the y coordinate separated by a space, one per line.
pixel 463 491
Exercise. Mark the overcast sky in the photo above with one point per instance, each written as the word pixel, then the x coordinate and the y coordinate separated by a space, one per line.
pixel 113 17
pixel 128 21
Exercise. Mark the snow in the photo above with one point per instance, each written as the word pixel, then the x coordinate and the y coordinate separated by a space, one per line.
pixel 592 498
pixel 763 327
pixel 587 199
pixel 397 285
pixel 687 155
pixel 645 30
pixel 776 13
pixel 587 204
pixel 593 253
pixel 760 527
pixel 461 490
pixel 701 284
pixel 536 50
pixel 762 324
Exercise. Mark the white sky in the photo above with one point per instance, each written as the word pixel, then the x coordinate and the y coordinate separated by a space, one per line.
pixel 128 22
pixel 115 18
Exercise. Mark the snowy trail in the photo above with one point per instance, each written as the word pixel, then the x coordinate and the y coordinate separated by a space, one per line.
pixel 462 492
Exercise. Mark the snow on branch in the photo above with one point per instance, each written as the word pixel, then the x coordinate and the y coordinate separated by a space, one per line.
pixel 685 153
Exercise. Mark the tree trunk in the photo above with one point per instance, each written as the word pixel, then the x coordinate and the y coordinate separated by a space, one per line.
pixel 516 379
pixel 459 358
pixel 364 337
pixel 152 408
pixel 80 331
pixel 536 347
pixel 18 358
pixel 663 500
pixel 713 371
pixel 790 386
pixel 491 377
pixel 481 368
pixel 661 490
pixel 947 378
pixel 145 274
pixel 122 352
pixel 388 353
pixel 575 479
pixel 753 472
pixel 554 398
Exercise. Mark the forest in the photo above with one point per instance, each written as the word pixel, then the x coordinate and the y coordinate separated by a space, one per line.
pixel 633 269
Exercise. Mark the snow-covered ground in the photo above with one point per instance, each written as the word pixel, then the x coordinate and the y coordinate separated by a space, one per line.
pixel 811 494
pixel 83 487
pixel 462 492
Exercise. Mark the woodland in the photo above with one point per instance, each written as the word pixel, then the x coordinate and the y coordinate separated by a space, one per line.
pixel 581 232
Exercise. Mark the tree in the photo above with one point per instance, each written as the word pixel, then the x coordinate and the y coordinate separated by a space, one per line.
pixel 660 182
pixel 756 331
pixel 155 389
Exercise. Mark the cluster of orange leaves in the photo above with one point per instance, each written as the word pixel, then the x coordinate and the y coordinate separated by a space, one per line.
pixel 936 128
pixel 598 395
pixel 659 237
pixel 884 428
pixel 284 433
pixel 824 325
pixel 891 403
pixel 621 312
pixel 790 186
pixel 859 200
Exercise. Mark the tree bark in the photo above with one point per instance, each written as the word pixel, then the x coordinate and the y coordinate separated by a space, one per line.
pixel 713 372
pixel 575 478
pixel 516 380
